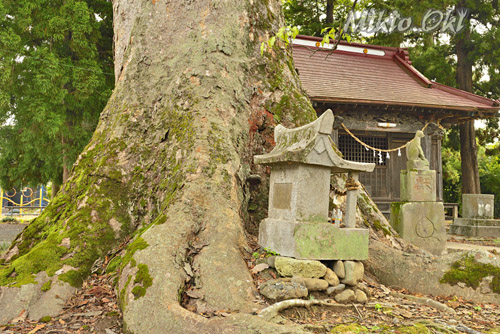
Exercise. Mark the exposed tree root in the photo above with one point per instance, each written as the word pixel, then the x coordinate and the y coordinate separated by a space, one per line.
pixel 425 301
pixel 272 311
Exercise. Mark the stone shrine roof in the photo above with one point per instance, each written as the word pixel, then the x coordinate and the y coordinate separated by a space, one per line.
pixel 310 144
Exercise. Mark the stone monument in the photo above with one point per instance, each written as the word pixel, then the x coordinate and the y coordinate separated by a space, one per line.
pixel 477 217
pixel 418 218
pixel 297 224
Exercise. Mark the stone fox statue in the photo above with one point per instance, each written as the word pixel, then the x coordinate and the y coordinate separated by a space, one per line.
pixel 414 150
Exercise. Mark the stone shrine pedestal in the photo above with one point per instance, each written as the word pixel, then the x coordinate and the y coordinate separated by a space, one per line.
pixel 297 224
pixel 418 218
pixel 477 217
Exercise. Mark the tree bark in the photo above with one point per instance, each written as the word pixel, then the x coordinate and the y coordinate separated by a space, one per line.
pixel 468 149
pixel 65 173
pixel 329 11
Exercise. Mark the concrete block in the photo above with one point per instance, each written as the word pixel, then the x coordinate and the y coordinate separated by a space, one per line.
pixel 478 206
pixel 418 185
pixel 315 241
pixel 421 223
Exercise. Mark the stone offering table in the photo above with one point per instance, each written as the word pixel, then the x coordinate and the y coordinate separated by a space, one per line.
pixel 418 218
pixel 297 223
pixel 477 217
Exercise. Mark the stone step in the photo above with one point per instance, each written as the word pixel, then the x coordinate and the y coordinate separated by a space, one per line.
pixel 458 246
pixel 476 222
pixel 475 231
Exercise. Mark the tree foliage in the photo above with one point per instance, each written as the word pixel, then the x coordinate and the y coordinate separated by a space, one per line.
pixel 55 78
pixel 313 16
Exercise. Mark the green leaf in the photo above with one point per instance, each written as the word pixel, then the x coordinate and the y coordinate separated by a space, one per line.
pixel 326 39
pixel 271 41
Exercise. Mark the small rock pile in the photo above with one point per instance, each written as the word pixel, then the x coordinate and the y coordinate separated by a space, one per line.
pixel 300 277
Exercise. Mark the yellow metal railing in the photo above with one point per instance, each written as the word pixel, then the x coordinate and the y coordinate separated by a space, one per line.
pixel 22 205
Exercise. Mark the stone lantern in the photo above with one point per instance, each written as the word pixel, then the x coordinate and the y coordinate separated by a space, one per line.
pixel 297 223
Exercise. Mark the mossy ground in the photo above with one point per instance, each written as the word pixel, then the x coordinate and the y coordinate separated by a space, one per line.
pixel 417 328
pixel 467 270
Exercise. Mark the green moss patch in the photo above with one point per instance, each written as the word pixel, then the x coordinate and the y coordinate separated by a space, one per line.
pixel 114 264
pixel 137 244
pixel 418 328
pixel 46 286
pixel 469 271
pixel 144 281
pixel 74 277
pixel 44 256
pixel 45 319
pixel 349 328
pixel 123 294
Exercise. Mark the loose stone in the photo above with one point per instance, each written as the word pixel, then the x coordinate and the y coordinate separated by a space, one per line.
pixel 331 277
pixel 316 284
pixel 258 268
pixel 361 297
pixel 270 261
pixel 354 271
pixel 289 267
pixel 299 280
pixel 345 297
pixel 339 269
pixel 332 290
pixel 280 290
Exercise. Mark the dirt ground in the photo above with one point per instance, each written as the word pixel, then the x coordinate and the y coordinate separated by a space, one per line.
pixel 94 309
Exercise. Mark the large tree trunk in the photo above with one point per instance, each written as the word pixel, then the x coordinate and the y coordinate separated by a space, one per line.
pixel 194 101
pixel 468 149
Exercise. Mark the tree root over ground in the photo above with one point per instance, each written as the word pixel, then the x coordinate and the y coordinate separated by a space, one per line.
pixel 272 311
pixel 94 309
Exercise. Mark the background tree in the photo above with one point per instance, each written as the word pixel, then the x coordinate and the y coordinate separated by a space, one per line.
pixel 312 16
pixel 56 76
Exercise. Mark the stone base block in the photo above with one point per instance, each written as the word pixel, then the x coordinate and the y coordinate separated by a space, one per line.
pixel 418 185
pixel 478 206
pixel 421 223
pixel 476 227
pixel 316 241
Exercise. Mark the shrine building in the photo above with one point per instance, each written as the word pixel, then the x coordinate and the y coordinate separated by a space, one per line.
pixel 380 98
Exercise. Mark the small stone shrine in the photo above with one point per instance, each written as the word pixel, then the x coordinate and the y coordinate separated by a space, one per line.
pixel 297 224
pixel 418 218
pixel 477 217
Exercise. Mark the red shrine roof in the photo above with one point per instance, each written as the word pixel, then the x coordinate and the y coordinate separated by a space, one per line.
pixel 360 73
